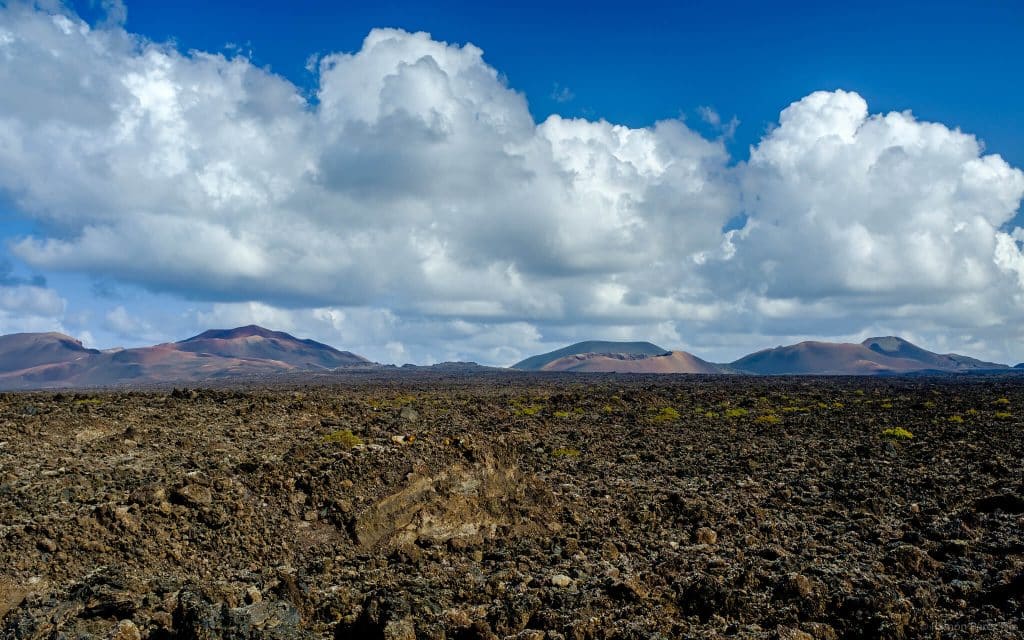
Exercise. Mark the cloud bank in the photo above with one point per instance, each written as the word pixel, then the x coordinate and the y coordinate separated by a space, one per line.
pixel 414 202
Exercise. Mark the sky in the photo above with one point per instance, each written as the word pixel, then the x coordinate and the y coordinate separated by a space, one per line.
pixel 464 182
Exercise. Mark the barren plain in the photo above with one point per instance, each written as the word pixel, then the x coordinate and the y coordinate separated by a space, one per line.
pixel 422 505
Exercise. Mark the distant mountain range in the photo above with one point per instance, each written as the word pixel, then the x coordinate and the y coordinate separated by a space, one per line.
pixel 54 360
pixel 874 356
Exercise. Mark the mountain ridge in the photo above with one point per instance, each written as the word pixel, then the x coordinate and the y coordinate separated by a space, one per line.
pixel 38 349
pixel 54 360
pixel 255 342
pixel 537 362
pixel 873 356
pixel 884 355
pixel 669 362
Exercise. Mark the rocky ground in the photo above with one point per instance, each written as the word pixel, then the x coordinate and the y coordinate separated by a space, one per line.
pixel 532 507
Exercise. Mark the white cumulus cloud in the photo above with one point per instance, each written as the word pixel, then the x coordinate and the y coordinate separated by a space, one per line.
pixel 415 202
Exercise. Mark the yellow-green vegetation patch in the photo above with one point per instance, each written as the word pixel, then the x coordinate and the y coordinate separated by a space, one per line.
pixel 886 405
pixel 527 410
pixel 897 433
pixel 736 412
pixel 667 414
pixel 1003 415
pixel 768 418
pixel 565 452
pixel 89 401
pixel 794 409
pixel 1001 401
pixel 956 419
pixel 972 412
pixel 344 438
pixel 607 409
pixel 562 414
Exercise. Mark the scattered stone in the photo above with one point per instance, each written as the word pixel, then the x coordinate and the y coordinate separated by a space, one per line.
pixel 162 619
pixel 400 630
pixel 233 519
pixel 12 595
pixel 125 630
pixel 706 535
pixel 788 633
pixel 192 495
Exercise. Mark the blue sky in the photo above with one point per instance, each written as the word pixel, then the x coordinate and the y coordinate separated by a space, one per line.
pixel 948 61
pixel 615 255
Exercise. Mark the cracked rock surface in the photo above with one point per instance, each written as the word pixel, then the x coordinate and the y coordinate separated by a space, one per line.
pixel 527 507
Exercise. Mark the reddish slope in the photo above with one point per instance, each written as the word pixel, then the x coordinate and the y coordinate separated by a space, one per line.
pixel 899 348
pixel 825 358
pixel 25 350
pixel 137 366
pixel 672 362
pixel 257 343
pixel 53 360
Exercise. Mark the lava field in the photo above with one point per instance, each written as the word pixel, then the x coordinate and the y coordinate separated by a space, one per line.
pixel 517 506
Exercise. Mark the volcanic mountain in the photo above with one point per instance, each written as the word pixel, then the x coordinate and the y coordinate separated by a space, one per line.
pixel 256 343
pixel 618 357
pixel 25 350
pixel 538 363
pixel 669 362
pixel 55 360
pixel 888 354
pixel 874 356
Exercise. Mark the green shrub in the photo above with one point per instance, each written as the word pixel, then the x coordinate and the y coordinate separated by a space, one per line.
pixel 768 418
pixel 667 414
pixel 1001 401
pixel 528 410
pixel 956 419
pixel 737 412
pixel 897 433
pixel 1003 415
pixel 344 438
